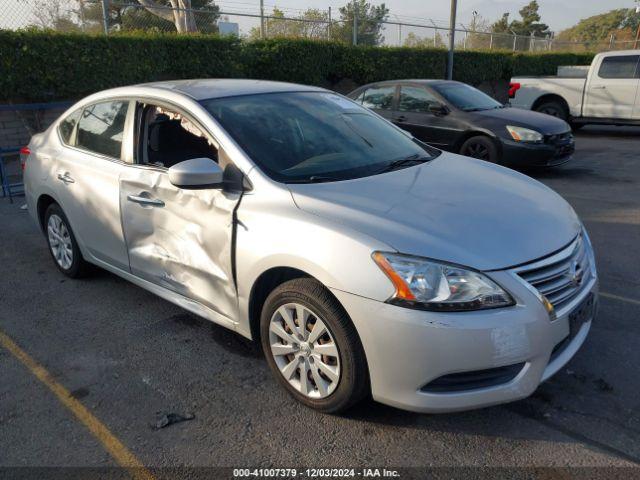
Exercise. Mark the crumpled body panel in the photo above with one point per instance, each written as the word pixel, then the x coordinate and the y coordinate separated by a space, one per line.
pixel 185 244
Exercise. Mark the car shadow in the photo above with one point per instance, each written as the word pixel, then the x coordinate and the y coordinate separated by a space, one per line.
pixel 608 131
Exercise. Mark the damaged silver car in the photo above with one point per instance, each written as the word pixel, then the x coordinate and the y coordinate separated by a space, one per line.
pixel 364 261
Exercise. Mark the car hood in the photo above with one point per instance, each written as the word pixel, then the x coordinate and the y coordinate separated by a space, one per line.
pixel 500 117
pixel 453 209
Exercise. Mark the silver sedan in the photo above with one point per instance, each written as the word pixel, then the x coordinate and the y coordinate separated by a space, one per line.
pixel 364 261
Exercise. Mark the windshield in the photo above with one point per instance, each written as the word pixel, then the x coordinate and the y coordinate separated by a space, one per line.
pixel 466 97
pixel 314 136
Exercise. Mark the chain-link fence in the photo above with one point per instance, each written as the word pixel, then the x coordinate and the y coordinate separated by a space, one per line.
pixel 246 19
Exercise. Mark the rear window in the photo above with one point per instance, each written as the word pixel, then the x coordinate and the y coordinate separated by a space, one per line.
pixel 102 126
pixel 67 125
pixel 622 66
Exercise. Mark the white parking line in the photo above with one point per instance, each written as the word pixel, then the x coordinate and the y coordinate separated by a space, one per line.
pixel 618 297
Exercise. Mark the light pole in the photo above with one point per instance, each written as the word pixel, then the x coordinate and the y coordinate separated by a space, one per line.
pixel 355 23
pixel 105 16
pixel 452 31
pixel 635 44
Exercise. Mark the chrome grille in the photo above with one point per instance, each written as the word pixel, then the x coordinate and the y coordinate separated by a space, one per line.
pixel 561 277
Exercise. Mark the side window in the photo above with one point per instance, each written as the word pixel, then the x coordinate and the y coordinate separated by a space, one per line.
pixel 67 125
pixel 415 99
pixel 379 97
pixel 622 66
pixel 102 126
pixel 167 137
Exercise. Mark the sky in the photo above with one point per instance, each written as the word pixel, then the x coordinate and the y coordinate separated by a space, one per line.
pixel 558 14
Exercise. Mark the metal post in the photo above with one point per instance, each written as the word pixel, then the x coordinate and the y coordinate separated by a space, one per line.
pixel 355 24
pixel 262 29
pixel 329 26
pixel 491 41
pixel 452 32
pixel 105 16
pixel 515 39
pixel 531 42
pixel 611 41
pixel 399 34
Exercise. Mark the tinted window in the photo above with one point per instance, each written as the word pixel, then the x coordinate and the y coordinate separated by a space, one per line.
pixel 465 97
pixel 379 97
pixel 623 66
pixel 66 126
pixel 312 136
pixel 101 128
pixel 415 99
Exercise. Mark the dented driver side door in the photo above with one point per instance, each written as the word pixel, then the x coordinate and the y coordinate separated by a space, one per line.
pixel 180 239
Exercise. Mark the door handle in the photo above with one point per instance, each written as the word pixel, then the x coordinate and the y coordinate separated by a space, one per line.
pixel 151 202
pixel 399 118
pixel 600 87
pixel 65 178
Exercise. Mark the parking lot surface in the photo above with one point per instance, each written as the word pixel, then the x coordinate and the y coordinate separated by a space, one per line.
pixel 130 358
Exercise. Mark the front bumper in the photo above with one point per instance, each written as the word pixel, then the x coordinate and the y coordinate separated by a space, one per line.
pixel 407 349
pixel 518 154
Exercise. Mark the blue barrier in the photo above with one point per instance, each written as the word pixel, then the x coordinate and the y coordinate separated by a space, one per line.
pixel 33 106
pixel 9 189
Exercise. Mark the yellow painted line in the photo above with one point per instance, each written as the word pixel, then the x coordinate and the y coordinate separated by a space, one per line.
pixel 118 451
pixel 618 297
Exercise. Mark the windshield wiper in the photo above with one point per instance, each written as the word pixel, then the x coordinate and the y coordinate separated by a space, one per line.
pixel 314 179
pixel 414 159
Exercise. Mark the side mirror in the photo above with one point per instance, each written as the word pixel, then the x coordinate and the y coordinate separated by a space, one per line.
pixel 438 109
pixel 196 173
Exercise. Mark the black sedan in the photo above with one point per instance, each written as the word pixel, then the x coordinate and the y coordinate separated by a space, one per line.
pixel 456 117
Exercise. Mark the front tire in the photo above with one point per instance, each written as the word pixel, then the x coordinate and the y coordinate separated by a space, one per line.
pixel 63 246
pixel 480 147
pixel 312 347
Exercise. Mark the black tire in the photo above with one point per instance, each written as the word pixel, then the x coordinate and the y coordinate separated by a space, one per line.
pixel 554 108
pixel 78 267
pixel 480 147
pixel 353 383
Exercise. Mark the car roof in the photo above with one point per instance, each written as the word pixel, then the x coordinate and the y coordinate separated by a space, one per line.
pixel 203 89
pixel 422 81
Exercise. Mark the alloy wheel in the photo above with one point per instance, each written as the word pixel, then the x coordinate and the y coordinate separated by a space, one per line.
pixel 60 241
pixel 304 350
pixel 477 150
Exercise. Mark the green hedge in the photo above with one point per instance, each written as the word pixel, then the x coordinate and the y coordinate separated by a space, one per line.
pixel 42 66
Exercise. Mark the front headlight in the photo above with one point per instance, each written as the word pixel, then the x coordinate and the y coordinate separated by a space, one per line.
pixel 520 134
pixel 431 285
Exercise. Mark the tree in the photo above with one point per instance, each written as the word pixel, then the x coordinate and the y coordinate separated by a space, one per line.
pixel 529 25
pixel 369 18
pixel 413 40
pixel 201 16
pixel 54 14
pixel 313 23
pixel 502 25
pixel 623 23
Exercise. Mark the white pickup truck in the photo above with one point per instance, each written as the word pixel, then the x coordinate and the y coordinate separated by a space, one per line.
pixel 607 92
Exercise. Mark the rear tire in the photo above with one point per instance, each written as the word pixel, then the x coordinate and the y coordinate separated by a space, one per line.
pixel 62 243
pixel 334 363
pixel 480 147
pixel 554 108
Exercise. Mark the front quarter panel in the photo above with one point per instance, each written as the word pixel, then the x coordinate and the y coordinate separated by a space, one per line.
pixel 273 232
